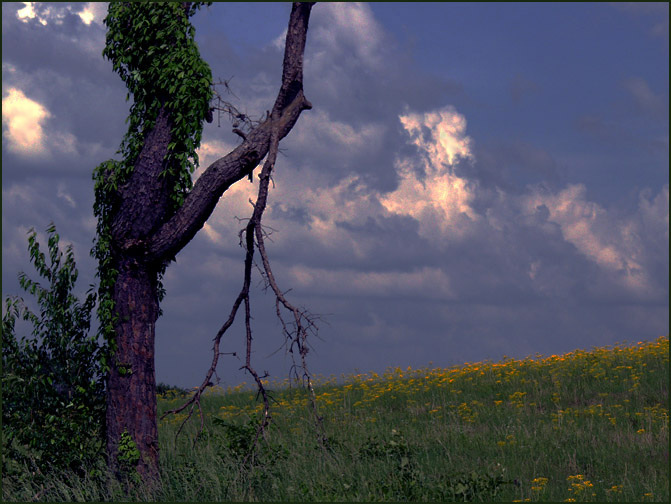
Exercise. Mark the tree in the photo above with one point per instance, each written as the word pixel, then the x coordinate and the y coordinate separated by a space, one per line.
pixel 52 390
pixel 147 208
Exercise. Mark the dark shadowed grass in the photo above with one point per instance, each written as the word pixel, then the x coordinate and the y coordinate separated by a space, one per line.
pixel 585 426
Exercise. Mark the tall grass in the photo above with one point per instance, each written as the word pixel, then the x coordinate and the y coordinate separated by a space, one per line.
pixel 584 426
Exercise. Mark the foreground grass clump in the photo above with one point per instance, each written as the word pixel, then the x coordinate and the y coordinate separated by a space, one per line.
pixel 585 426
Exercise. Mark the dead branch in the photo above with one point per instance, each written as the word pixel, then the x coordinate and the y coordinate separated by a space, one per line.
pixel 289 100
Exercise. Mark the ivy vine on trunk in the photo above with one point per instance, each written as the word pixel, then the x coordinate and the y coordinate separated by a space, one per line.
pixel 146 205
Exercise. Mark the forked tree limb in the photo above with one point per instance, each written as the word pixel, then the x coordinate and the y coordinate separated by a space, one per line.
pixel 303 322
pixel 253 224
pixel 175 233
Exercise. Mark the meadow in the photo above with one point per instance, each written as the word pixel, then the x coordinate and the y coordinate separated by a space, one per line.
pixel 590 425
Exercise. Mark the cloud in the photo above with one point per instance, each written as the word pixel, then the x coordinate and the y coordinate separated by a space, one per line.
pixel 645 98
pixel 357 71
pixel 578 219
pixel 533 241
pixel 208 152
pixel 352 29
pixel 45 14
pixel 656 13
pixel 22 121
pixel 77 118
pixel 36 202
pixel 441 134
pixel 614 244
pixel 93 12
pixel 451 208
pixel 389 209
pixel 437 196
pixel 351 139
pixel 27 13
pixel 341 143
pixel 63 193
pixel 422 283
pixel 30 134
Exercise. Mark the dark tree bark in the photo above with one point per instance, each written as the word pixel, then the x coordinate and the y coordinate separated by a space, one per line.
pixel 131 382
pixel 146 236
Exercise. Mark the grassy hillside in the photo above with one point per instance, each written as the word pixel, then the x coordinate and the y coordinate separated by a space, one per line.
pixel 585 426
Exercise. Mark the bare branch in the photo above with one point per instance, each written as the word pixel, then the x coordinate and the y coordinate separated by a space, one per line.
pixel 289 98
pixel 174 234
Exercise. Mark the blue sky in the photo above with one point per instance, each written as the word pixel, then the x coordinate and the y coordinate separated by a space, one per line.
pixel 474 180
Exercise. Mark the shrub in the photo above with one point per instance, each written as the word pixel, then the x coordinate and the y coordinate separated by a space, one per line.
pixel 53 403
pixel 170 391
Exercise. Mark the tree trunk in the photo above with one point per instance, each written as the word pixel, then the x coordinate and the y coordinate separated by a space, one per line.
pixel 131 383
pixel 146 234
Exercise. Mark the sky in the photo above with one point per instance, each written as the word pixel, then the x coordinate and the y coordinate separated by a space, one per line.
pixel 474 180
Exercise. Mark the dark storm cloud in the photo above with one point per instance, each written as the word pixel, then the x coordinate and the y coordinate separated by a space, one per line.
pixel 59 65
pixel 355 89
pixel 533 268
pixel 507 250
pixel 69 48
pixel 363 78
pixel 35 203
pixel 458 333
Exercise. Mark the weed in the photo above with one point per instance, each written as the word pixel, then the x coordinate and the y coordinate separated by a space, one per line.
pixel 588 425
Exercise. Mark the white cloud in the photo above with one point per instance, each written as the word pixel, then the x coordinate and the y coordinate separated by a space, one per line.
pixel 353 23
pixel 440 197
pixel 18 195
pixel 89 12
pixel 47 16
pixel 9 68
pixel 208 152
pixel 614 244
pixel 280 41
pixel 322 129
pixel 442 203
pixel 93 12
pixel 343 35
pixel 64 194
pixel 211 233
pixel 440 133
pixel 28 12
pixel 233 207
pixel 348 201
pixel 22 122
pixel 655 211
pixel 23 126
pixel 578 218
pixel 66 142
pixel 234 202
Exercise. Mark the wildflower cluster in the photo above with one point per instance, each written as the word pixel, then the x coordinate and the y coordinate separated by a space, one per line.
pixel 566 412
pixel 539 484
pixel 580 485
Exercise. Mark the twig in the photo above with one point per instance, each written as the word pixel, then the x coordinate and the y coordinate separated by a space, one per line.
pixel 291 89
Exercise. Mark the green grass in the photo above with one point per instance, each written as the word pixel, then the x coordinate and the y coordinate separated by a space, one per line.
pixel 585 426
